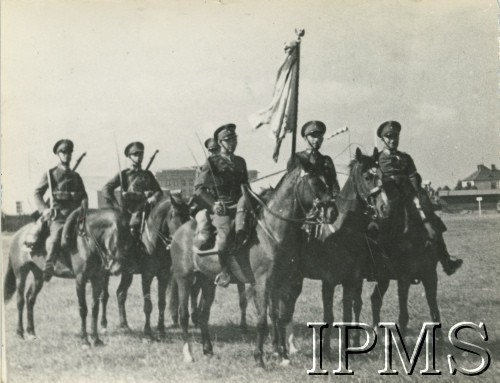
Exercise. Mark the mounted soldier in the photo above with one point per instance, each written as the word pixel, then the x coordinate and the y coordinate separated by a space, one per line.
pixel 139 188
pixel 67 193
pixel 218 189
pixel 311 160
pixel 402 185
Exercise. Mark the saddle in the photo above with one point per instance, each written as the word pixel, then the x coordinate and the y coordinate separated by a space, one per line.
pixel 206 241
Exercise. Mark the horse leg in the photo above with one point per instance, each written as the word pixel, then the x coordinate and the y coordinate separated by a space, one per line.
pixel 147 279
pixel 163 279
pixel 184 284
pixel 327 293
pixel 403 291
pixel 104 301
pixel 96 282
pixel 82 304
pixel 121 296
pixel 430 286
pixel 377 298
pixel 357 304
pixel 33 291
pixel 195 305
pixel 208 296
pixel 21 286
pixel 243 306
pixel 261 301
pixel 173 301
pixel 285 315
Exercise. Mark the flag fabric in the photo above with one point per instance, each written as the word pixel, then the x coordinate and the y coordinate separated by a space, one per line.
pixel 281 114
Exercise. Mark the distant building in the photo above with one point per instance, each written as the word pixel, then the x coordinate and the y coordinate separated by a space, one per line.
pixel 483 183
pixel 483 178
pixel 182 179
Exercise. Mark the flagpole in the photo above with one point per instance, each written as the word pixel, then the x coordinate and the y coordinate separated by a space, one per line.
pixel 300 33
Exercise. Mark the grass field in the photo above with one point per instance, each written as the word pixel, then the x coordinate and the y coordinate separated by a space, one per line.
pixel 56 356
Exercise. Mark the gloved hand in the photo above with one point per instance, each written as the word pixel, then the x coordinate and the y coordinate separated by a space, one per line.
pixel 219 208
pixel 46 214
pixel 151 200
pixel 431 234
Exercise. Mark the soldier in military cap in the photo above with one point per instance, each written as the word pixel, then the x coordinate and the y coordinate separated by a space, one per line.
pixel 401 182
pixel 212 146
pixel 139 188
pixel 218 189
pixel 311 160
pixel 67 194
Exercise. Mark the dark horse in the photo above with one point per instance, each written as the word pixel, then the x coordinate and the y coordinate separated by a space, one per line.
pixel 105 246
pixel 410 256
pixel 163 220
pixel 340 258
pixel 269 261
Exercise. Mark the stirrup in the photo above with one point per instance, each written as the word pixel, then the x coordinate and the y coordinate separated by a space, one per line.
pixel 223 279
pixel 214 250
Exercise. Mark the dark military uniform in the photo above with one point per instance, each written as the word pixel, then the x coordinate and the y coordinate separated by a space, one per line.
pixel 312 161
pixel 398 173
pixel 224 185
pixel 68 192
pixel 138 186
pixel 219 181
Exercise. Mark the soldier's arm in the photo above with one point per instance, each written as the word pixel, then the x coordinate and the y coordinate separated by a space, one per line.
pixel 332 175
pixel 40 190
pixel 244 179
pixel 156 188
pixel 412 173
pixel 85 197
pixel 203 186
pixel 108 191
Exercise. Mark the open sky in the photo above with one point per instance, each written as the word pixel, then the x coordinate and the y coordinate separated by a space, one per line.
pixel 161 71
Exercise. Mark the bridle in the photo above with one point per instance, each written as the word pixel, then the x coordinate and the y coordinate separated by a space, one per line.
pixel 368 195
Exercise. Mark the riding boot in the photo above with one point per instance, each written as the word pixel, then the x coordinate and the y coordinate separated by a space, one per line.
pixel 223 278
pixel 48 271
pixel 450 266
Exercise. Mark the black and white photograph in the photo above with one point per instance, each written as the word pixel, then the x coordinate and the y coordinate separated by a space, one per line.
pixel 250 191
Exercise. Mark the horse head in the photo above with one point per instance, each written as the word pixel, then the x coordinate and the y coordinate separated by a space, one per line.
pixel 366 177
pixel 178 213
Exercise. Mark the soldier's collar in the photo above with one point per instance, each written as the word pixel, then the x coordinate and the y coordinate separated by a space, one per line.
pixel 389 151
pixel 63 167
pixel 230 157
pixel 135 167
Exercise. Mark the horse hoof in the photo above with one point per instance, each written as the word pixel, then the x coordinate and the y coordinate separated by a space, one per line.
pixel 147 339
pixel 285 363
pixel 293 350
pixel 20 335
pixel 187 354
pixel 30 337
pixel 124 328
pixel 104 330
pixel 97 342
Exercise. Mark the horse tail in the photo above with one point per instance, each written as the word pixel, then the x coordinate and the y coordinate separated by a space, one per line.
pixel 9 284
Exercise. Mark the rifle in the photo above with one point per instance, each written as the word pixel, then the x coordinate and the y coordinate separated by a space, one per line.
pixel 152 159
pixel 79 160
pixel 143 215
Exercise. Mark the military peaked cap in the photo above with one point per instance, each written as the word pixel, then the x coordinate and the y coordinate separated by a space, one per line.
pixel 388 128
pixel 224 132
pixel 63 145
pixel 134 147
pixel 312 127
pixel 211 144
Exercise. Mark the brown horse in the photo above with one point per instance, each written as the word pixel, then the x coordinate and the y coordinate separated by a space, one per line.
pixel 104 246
pixel 340 258
pixel 270 261
pixel 163 220
pixel 410 258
